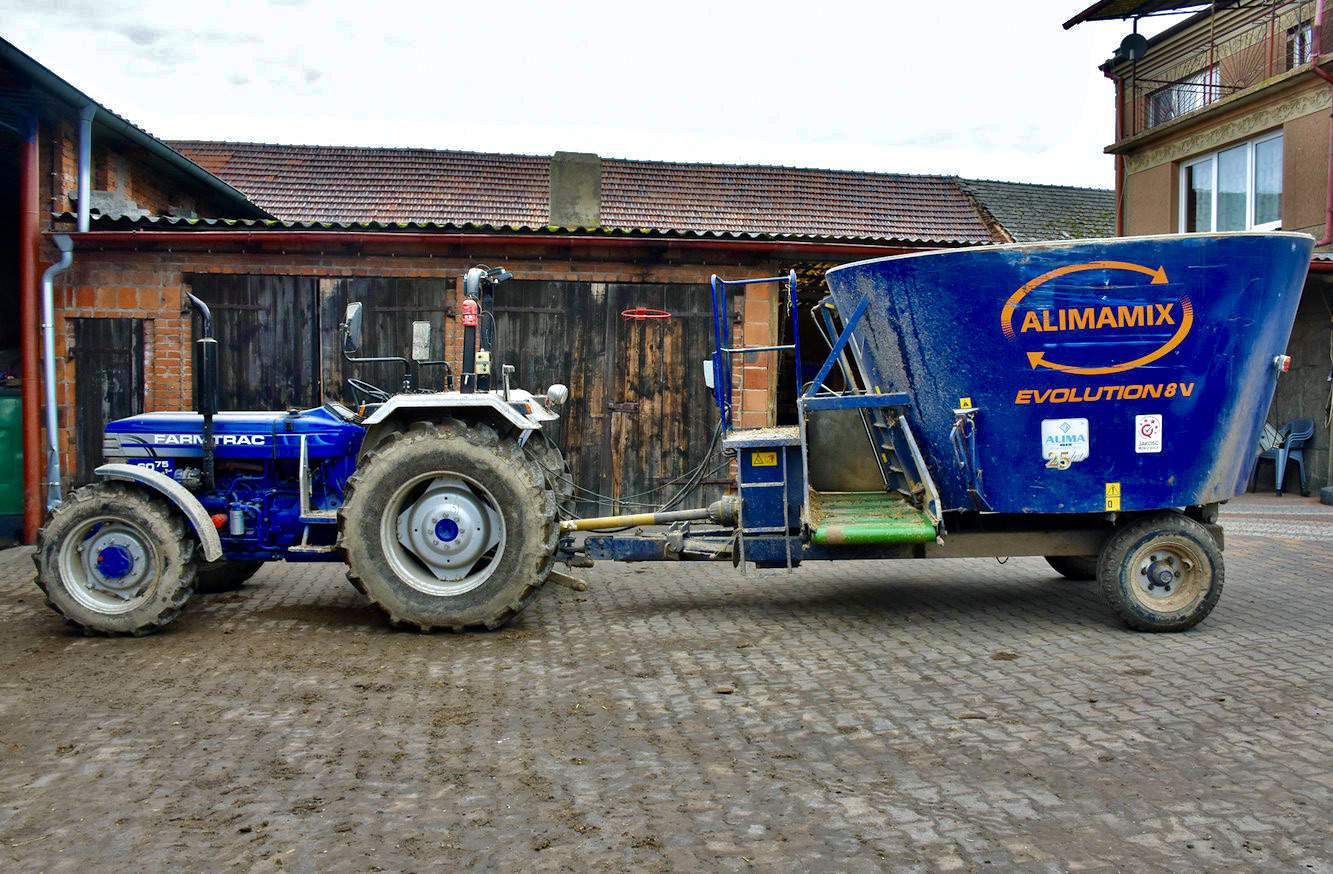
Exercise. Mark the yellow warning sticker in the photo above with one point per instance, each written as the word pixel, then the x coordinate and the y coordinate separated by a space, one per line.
pixel 763 459
pixel 1112 497
pixel 964 403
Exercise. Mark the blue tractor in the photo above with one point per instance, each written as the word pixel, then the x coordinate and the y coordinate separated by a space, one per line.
pixel 439 500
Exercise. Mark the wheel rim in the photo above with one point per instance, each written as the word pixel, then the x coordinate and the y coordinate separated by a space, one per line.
pixel 109 565
pixel 1169 575
pixel 443 533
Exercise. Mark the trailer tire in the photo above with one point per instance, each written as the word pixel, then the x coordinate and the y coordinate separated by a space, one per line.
pixel 1074 567
pixel 1162 573
pixel 477 483
pixel 216 577
pixel 137 530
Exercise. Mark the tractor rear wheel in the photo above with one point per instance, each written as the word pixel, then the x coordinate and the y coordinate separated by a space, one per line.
pixel 555 472
pixel 224 576
pixel 448 526
pixel 116 559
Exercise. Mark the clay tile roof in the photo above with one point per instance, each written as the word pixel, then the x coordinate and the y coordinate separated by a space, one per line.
pixel 1031 213
pixel 348 184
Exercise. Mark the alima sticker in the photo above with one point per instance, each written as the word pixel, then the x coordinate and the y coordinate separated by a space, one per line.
pixel 1063 442
pixel 1113 320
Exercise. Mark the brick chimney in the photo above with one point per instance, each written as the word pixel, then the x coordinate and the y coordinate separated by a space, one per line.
pixel 576 190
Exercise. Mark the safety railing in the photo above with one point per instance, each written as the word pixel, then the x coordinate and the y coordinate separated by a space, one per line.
pixel 724 351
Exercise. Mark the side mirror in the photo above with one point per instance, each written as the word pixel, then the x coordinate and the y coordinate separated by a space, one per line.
pixel 352 328
pixel 421 341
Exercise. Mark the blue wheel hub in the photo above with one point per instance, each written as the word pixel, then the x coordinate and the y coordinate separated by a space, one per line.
pixel 114 562
pixel 446 530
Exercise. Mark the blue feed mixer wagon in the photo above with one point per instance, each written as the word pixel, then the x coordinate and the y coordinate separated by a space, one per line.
pixel 1092 402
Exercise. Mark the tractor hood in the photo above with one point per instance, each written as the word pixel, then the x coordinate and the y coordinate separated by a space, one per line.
pixel 235 435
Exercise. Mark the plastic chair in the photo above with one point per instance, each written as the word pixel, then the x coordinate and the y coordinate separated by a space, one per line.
pixel 1290 447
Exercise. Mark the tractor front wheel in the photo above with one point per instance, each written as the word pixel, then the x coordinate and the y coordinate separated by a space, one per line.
pixel 448 526
pixel 116 559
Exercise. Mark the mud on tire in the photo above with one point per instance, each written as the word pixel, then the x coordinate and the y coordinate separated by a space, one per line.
pixel 554 471
pixel 148 532
pixel 416 460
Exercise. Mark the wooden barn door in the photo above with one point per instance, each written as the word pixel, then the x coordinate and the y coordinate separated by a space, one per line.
pixel 108 383
pixel 639 414
pixel 389 307
pixel 267 329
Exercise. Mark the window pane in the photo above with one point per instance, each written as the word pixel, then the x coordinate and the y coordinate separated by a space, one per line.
pixel 1231 175
pixel 1268 181
pixel 1199 196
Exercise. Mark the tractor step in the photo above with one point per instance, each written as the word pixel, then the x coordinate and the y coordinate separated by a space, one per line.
pixel 307 549
pixel 866 518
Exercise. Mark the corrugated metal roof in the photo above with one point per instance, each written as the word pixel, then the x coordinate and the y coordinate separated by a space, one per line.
pixel 176 223
pixel 1031 213
pixel 450 188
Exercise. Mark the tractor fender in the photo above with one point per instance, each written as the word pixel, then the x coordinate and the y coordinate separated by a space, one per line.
pixel 178 495
pixel 458 401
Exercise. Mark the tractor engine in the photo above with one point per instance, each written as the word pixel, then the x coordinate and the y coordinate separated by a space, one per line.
pixel 278 478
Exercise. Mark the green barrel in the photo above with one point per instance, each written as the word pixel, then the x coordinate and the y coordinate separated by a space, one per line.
pixel 11 466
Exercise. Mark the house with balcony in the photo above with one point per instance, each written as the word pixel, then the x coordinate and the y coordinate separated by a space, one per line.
pixel 1222 123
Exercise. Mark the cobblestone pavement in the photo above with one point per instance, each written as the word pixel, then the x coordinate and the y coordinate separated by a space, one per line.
pixel 947 715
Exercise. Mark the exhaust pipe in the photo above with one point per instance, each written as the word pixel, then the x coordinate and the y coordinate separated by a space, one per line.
pixel 207 402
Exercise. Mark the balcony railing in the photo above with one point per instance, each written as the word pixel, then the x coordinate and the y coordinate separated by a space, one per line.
pixel 1233 48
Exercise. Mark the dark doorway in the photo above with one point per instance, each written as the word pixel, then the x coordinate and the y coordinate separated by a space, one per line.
pixel 268 332
pixel 108 383
pixel 639 415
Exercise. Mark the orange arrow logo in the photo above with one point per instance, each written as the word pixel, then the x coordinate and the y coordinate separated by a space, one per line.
pixel 1007 313
pixel 1038 359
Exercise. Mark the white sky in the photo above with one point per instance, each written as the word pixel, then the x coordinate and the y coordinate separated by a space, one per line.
pixel 975 88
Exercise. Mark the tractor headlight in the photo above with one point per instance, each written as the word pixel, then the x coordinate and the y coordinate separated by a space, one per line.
pixel 556 395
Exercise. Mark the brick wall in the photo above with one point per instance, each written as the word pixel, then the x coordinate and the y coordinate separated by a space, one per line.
pixel 126 170
pixel 150 285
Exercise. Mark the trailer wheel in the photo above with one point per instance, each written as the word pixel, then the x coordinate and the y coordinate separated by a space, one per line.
pixel 224 576
pixel 116 559
pixel 1074 567
pixel 1162 573
pixel 448 526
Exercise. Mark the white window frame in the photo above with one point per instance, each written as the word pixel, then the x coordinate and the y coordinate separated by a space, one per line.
pixel 1249 146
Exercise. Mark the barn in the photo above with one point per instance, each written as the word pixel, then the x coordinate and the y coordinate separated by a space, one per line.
pixel 278 239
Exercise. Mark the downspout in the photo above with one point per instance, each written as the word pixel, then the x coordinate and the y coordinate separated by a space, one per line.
pixel 1316 50
pixel 85 166
pixel 66 247
pixel 1119 158
pixel 30 362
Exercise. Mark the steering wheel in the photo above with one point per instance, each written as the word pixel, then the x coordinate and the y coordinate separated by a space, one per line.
pixel 365 393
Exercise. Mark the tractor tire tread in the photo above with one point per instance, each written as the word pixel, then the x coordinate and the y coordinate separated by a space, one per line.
pixel 479 436
pixel 172 530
